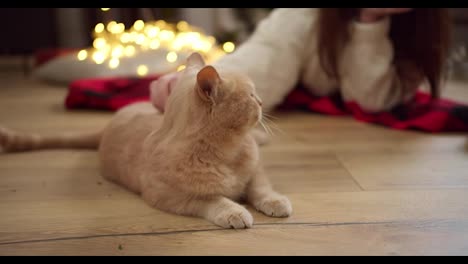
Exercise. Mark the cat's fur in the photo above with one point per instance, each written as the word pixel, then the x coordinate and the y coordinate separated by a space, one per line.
pixel 199 159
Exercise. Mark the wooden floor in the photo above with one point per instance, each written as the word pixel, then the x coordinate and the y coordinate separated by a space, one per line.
pixel 356 189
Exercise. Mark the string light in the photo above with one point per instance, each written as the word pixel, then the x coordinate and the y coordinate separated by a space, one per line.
pixel 113 42
pixel 99 28
pixel 142 70
pixel 166 35
pixel 82 55
pixel 171 56
pixel 229 47
pixel 118 51
pixel 153 32
pixel 161 23
pixel 154 44
pixel 139 25
pixel 117 28
pixel 181 68
pixel 129 51
pixel 125 38
pixel 99 57
pixel 111 25
pixel 114 63
pixel 140 39
pixel 99 43
pixel 182 26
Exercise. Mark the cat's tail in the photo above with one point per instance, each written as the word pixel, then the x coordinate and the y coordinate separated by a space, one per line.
pixel 13 141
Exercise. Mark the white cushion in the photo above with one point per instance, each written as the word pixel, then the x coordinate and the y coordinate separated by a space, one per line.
pixel 67 68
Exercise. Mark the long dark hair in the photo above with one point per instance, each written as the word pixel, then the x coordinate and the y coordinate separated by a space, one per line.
pixel 421 41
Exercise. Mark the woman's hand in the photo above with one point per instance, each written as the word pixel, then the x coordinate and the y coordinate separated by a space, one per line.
pixel 161 89
pixel 368 15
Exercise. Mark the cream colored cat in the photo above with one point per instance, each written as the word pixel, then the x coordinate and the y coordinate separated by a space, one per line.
pixel 198 159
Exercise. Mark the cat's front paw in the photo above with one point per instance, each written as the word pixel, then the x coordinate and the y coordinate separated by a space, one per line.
pixel 275 205
pixel 237 218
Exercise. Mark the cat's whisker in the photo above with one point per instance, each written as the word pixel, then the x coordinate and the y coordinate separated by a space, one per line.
pixel 265 120
pixel 272 125
pixel 263 126
pixel 276 128
pixel 267 130
pixel 268 119
pixel 270 116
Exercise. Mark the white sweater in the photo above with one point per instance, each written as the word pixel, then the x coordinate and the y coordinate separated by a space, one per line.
pixel 283 52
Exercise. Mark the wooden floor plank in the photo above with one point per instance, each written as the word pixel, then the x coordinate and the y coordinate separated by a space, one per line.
pixel 408 171
pixel 38 220
pixel 378 238
pixel 356 189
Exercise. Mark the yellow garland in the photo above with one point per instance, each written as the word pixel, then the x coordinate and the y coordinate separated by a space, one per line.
pixel 113 42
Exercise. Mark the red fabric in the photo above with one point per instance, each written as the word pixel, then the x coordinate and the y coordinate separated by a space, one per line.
pixel 107 93
pixel 421 113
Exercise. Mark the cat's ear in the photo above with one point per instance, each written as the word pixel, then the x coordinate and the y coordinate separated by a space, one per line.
pixel 195 59
pixel 208 81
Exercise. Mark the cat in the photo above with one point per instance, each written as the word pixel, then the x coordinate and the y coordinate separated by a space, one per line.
pixel 198 159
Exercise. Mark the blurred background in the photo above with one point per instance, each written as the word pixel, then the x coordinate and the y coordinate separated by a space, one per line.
pixel 28 31
pixel 120 38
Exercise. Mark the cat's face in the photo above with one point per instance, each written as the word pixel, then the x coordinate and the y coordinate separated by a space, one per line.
pixel 228 98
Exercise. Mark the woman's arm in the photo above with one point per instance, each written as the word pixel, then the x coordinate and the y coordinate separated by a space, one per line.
pixel 274 54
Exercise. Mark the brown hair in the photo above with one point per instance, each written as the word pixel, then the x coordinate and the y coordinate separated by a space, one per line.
pixel 421 41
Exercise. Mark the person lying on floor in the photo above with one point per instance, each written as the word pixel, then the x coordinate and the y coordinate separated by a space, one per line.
pixel 375 57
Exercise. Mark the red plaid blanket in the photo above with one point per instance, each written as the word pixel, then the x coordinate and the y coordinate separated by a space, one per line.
pixel 421 113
